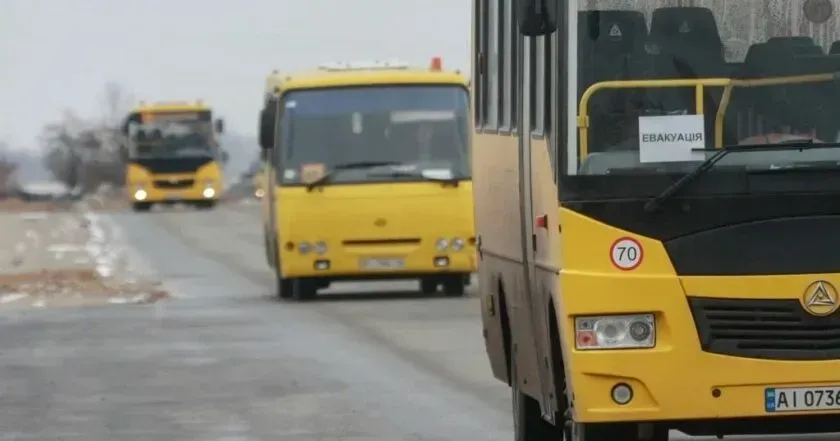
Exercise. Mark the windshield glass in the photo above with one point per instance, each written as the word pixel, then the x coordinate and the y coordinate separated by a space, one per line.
pixel 422 127
pixel 654 130
pixel 172 139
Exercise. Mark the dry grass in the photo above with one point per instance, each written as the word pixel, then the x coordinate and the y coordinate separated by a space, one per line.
pixel 14 205
pixel 71 287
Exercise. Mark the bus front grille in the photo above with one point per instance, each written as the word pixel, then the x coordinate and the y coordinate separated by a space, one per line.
pixel 777 329
pixel 178 183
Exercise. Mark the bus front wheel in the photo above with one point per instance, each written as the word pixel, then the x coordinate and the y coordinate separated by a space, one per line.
pixel 141 206
pixel 296 289
pixel 205 205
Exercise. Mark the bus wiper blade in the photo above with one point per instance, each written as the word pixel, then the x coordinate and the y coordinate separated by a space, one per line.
pixel 807 144
pixel 347 166
pixel 397 174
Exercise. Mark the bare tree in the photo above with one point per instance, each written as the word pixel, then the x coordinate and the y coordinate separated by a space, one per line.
pixel 83 152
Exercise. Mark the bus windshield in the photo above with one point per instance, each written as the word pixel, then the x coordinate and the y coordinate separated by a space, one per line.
pixel 646 129
pixel 422 127
pixel 171 140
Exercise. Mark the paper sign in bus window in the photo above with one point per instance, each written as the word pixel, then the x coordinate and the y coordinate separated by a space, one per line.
pixel 311 172
pixel 671 138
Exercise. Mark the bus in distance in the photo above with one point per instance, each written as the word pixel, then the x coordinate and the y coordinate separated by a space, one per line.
pixel 174 155
pixel 368 177
pixel 657 199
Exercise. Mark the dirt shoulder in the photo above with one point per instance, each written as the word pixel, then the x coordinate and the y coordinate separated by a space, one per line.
pixel 69 258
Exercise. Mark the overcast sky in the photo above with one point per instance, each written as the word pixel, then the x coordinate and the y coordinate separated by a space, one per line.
pixel 58 54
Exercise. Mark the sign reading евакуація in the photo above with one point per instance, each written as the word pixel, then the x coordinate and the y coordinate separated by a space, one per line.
pixel 671 138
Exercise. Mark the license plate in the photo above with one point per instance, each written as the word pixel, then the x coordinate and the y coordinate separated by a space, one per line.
pixel 174 196
pixel 382 264
pixel 799 399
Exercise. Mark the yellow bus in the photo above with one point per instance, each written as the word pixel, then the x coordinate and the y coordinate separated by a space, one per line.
pixel 656 198
pixel 174 155
pixel 368 177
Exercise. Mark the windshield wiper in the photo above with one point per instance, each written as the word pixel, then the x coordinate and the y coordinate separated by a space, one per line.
pixel 398 174
pixel 327 177
pixel 656 202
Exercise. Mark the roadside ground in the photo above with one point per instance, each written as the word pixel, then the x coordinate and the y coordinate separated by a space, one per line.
pixel 68 255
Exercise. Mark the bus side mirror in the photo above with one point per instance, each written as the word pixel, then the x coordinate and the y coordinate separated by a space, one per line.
pixel 220 126
pixel 225 156
pixel 266 129
pixel 537 17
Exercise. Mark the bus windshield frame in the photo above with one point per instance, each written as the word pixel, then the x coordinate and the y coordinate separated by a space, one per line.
pixel 767 100
pixel 423 127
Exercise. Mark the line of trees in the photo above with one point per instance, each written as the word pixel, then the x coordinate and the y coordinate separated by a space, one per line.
pixel 84 153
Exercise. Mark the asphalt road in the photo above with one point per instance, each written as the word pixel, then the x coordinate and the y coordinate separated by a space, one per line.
pixel 225 361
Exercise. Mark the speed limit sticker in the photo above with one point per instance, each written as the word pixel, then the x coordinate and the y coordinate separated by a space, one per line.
pixel 626 253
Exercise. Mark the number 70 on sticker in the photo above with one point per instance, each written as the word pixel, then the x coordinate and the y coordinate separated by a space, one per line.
pixel 626 253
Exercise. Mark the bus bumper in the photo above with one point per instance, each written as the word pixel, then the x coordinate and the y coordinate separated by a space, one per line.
pixel 347 266
pixel 676 380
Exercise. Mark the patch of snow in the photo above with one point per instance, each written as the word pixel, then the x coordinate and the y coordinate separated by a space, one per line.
pixel 33 216
pixel 12 297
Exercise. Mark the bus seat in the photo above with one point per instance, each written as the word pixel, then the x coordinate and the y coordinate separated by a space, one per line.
pixel 835 48
pixel 793 40
pixel 607 38
pixel 689 39
pixel 820 102
pixel 772 108
pixel 611 49
pixel 602 163
pixel 690 35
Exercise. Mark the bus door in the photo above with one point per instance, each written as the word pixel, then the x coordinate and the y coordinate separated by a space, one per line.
pixel 533 299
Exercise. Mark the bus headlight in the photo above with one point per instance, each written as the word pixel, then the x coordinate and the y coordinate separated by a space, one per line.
pixel 442 244
pixel 457 244
pixel 615 332
pixel 304 247
pixel 320 247
pixel 140 194
pixel 208 193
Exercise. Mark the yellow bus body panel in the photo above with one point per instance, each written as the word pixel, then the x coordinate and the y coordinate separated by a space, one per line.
pixel 138 176
pixel 391 220
pixel 675 379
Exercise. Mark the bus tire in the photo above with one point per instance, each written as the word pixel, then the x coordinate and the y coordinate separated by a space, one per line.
pixel 428 286
pixel 454 286
pixel 141 207
pixel 303 289
pixel 528 424
pixel 205 205
pixel 284 288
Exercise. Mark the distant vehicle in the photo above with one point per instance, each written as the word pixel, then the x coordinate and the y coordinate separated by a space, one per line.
pixel 174 155
pixel 44 191
pixel 369 178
